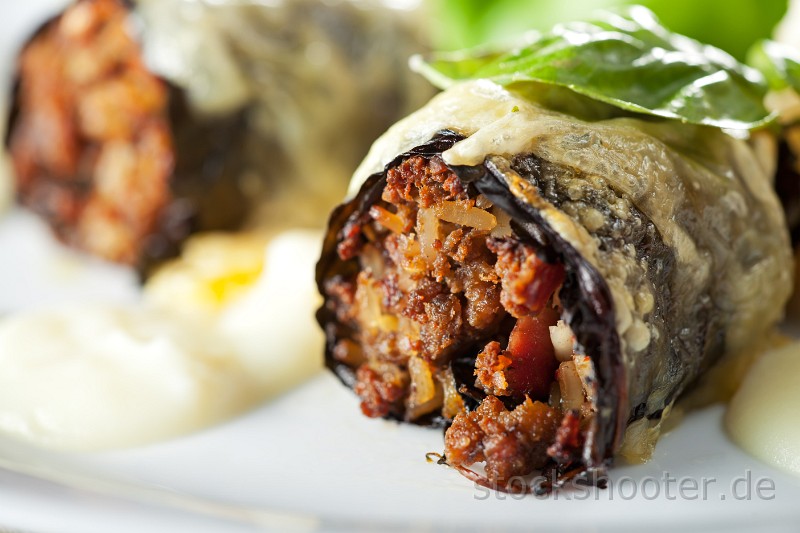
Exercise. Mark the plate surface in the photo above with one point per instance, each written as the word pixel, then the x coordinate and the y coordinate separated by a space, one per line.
pixel 309 460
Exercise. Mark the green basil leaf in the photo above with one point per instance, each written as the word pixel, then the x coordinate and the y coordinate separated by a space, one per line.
pixel 626 59
pixel 779 63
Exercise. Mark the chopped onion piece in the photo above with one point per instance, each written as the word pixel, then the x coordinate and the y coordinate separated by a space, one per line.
pixel 372 261
pixel 404 280
pixel 387 219
pixel 387 322
pixel 482 202
pixel 571 387
pixel 422 385
pixel 466 215
pixel 426 393
pixel 562 338
pixel 585 369
pixel 453 403
pixel 369 302
pixel 412 261
pixel 503 227
pixel 555 395
pixel 428 232
pixel 349 352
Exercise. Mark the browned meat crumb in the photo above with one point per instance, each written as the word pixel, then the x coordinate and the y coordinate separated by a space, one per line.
pixel 568 444
pixel 343 294
pixel 91 145
pixel 381 388
pixel 420 297
pixel 482 293
pixel 423 180
pixel 351 240
pixel 512 443
pixel 528 282
pixel 442 327
pixel 490 367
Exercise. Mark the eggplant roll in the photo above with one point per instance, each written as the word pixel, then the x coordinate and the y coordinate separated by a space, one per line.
pixel 108 153
pixel 134 124
pixel 543 286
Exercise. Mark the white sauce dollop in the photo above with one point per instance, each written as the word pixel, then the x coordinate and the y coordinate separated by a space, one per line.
pixel 99 377
pixel 762 417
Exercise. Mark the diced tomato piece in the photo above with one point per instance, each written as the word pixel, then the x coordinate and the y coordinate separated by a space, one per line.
pixel 534 362
pixel 528 281
pixel 547 278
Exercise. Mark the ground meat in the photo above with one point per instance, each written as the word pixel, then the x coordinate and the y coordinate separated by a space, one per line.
pixel 431 303
pixel 464 440
pixel 343 295
pixel 442 328
pixel 423 180
pixel 512 443
pixel 114 158
pixel 568 444
pixel 350 240
pixel 467 245
pixel 490 367
pixel 482 293
pixel 412 304
pixel 528 282
pixel 419 299
pixel 381 388
pixel 91 145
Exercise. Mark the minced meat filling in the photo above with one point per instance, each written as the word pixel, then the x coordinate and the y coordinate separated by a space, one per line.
pixel 441 274
pixel 92 147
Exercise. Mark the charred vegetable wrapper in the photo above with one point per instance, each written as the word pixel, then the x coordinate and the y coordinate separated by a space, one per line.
pixel 134 124
pixel 542 285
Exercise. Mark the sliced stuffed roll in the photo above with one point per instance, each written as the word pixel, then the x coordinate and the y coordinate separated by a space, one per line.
pixel 134 124
pixel 542 285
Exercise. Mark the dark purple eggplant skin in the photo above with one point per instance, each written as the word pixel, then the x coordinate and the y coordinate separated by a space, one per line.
pixel 205 184
pixel 585 297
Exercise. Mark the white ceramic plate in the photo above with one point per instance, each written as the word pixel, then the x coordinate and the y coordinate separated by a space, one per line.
pixel 309 460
